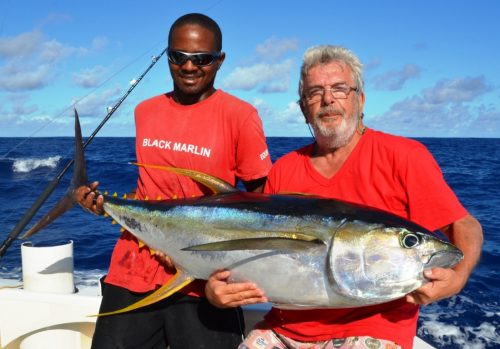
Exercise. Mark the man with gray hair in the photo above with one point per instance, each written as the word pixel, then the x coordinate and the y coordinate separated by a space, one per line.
pixel 351 162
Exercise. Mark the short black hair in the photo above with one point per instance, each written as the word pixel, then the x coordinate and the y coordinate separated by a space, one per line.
pixel 201 20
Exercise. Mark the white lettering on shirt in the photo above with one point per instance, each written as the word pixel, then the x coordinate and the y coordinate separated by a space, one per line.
pixel 177 146
pixel 264 154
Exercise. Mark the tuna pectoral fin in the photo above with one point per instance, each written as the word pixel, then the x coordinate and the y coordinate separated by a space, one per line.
pixel 267 243
pixel 218 186
pixel 175 284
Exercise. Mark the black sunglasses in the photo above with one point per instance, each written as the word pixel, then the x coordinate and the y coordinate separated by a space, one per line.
pixel 200 59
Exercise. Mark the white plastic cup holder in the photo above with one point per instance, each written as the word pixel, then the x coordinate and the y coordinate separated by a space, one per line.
pixel 48 269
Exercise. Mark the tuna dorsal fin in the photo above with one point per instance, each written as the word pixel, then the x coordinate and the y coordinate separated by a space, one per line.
pixel 79 178
pixel 218 186
pixel 265 243
pixel 178 281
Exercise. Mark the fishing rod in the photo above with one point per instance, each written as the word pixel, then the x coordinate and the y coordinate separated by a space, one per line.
pixel 53 184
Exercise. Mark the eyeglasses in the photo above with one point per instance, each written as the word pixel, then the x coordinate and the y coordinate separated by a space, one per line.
pixel 200 59
pixel 316 94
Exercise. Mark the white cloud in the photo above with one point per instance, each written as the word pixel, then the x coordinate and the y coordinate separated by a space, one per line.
pixel 42 120
pixel 20 45
pixel 290 116
pixel 52 51
pixel 95 105
pixel 14 108
pixel 457 90
pixel 20 106
pixel 395 79
pixel 30 60
pixel 444 110
pixel 274 48
pixel 276 76
pixel 16 77
pixel 91 77
pixel 270 72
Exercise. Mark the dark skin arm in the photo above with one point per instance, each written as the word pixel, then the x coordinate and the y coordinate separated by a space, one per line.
pixel 88 198
pixel 256 185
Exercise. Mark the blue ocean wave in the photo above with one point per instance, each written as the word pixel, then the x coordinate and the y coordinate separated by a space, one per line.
pixel 29 164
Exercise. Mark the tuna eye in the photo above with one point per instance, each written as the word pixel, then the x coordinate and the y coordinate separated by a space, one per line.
pixel 410 240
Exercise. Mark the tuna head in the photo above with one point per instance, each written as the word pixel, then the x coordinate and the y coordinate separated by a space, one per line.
pixel 376 263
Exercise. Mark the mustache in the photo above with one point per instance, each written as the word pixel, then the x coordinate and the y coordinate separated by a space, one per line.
pixel 328 110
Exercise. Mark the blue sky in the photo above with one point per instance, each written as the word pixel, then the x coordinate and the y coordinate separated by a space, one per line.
pixel 432 67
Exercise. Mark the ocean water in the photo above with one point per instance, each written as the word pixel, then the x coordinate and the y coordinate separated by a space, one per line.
pixel 471 167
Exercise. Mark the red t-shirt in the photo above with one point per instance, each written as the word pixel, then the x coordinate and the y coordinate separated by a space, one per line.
pixel 221 136
pixel 391 173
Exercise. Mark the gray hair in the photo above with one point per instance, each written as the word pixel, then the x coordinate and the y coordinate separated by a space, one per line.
pixel 325 54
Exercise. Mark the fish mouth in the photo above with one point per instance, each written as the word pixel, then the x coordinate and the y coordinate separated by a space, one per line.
pixel 444 259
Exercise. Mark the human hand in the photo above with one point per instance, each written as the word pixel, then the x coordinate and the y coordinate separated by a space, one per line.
pixel 89 199
pixel 443 283
pixel 225 295
pixel 162 257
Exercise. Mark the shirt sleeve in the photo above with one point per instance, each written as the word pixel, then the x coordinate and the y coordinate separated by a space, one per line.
pixel 252 155
pixel 431 202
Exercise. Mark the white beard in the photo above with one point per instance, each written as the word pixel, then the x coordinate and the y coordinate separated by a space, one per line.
pixel 339 136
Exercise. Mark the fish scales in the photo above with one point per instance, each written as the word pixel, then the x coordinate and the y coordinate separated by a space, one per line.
pixel 358 264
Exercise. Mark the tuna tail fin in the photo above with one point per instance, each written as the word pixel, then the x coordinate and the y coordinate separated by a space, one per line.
pixel 79 178
pixel 218 186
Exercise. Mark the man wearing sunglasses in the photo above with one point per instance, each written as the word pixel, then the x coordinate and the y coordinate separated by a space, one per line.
pixel 194 127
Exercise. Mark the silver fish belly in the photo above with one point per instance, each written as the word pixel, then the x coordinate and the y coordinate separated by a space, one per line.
pixel 358 263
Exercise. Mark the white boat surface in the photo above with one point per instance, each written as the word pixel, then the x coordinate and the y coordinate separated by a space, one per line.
pixel 49 320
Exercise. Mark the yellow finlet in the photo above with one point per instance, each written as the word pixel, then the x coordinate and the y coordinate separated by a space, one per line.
pixel 141 243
